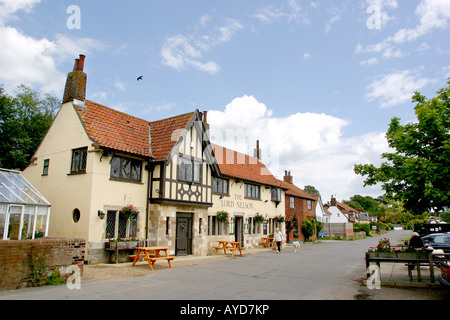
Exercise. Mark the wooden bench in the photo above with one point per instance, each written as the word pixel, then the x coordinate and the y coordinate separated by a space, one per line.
pixel 141 256
pixel 154 259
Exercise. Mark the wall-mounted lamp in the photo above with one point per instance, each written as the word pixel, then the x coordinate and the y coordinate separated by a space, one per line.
pixel 101 215
pixel 266 201
pixel 221 197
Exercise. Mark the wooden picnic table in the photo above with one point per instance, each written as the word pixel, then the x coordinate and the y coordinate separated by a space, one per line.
pixel 232 246
pixel 145 254
pixel 267 242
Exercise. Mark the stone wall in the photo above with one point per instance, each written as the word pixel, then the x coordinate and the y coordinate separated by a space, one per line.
pixel 51 254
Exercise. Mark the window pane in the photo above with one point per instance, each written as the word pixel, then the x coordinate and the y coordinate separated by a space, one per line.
pixel 225 186
pixel 188 166
pixel 136 171
pixel 181 170
pixel 75 161
pixel 197 172
pixel 111 224
pixel 115 167
pixel 122 231
pixel 126 169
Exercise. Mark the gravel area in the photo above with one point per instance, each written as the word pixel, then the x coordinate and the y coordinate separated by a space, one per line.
pixel 101 272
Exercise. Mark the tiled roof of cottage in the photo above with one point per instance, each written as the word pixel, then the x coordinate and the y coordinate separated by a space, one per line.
pixel 116 130
pixel 295 191
pixel 240 166
pixel 165 133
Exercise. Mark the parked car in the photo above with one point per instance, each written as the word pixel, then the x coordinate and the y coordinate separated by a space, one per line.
pixel 438 241
pixel 444 277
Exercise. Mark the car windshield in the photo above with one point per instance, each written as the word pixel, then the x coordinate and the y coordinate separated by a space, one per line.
pixel 441 239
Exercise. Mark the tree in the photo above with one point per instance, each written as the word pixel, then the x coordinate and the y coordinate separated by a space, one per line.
pixel 24 120
pixel 417 172
pixel 365 203
pixel 311 190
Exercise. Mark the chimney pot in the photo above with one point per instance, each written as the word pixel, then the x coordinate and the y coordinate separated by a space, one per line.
pixel 76 82
pixel 80 62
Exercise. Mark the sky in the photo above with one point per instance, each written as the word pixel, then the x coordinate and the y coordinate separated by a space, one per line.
pixel 316 82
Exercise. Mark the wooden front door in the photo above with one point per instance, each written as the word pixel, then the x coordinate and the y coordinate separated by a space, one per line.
pixel 183 244
pixel 239 230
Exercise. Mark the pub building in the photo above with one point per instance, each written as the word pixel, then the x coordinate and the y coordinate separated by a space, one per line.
pixel 249 194
pixel 95 161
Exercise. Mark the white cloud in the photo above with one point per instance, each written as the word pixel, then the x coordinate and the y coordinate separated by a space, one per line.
pixel 24 59
pixel 369 62
pixel 432 15
pixel 181 51
pixel 310 145
pixel 290 10
pixel 396 88
pixel 9 7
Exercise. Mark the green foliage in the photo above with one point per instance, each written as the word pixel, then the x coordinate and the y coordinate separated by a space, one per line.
pixel 417 172
pixel 222 216
pixel 358 227
pixel 308 228
pixel 311 189
pixel 24 120
pixel 366 204
pixel 445 217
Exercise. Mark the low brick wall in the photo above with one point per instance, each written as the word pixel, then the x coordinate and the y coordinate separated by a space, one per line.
pixel 17 256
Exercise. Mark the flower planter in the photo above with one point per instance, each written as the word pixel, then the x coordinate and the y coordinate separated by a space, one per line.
pixel 114 247
pixel 383 254
pixel 128 245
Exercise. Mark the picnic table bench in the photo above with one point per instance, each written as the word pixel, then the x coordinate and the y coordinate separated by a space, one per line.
pixel 231 246
pixel 144 254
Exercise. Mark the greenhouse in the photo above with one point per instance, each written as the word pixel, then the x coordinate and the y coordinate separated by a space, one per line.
pixel 24 212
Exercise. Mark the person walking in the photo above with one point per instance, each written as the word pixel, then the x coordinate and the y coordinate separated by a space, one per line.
pixel 278 237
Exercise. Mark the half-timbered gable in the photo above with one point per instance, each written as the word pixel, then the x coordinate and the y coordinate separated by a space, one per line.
pixel 181 172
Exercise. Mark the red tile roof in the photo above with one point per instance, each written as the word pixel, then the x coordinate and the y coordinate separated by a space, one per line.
pixel 297 192
pixel 114 129
pixel 165 133
pixel 119 131
pixel 237 165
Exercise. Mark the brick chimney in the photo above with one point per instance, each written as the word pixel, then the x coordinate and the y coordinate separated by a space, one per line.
pixel 288 177
pixel 76 82
pixel 333 201
pixel 257 152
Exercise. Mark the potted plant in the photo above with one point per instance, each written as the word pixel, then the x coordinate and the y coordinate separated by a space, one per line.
pixel 279 218
pixel 222 216
pixel 258 218
pixel 129 212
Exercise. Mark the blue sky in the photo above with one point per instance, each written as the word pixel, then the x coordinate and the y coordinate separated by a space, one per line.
pixel 317 82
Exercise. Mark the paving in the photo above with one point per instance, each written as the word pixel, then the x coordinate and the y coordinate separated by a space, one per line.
pixel 328 270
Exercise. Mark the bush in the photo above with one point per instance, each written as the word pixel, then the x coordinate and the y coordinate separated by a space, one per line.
pixel 308 229
pixel 358 227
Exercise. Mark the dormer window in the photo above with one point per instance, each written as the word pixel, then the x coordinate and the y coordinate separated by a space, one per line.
pixel 276 194
pixel 126 169
pixel 189 170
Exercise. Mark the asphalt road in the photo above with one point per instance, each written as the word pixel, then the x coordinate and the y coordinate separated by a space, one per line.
pixel 325 271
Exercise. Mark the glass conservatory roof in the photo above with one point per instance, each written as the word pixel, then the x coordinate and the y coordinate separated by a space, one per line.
pixel 14 188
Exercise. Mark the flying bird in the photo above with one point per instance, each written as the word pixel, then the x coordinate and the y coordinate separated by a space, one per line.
pixel 140 78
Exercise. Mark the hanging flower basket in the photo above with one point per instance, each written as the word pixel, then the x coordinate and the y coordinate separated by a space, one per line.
pixel 279 218
pixel 129 213
pixel 222 216
pixel 258 218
